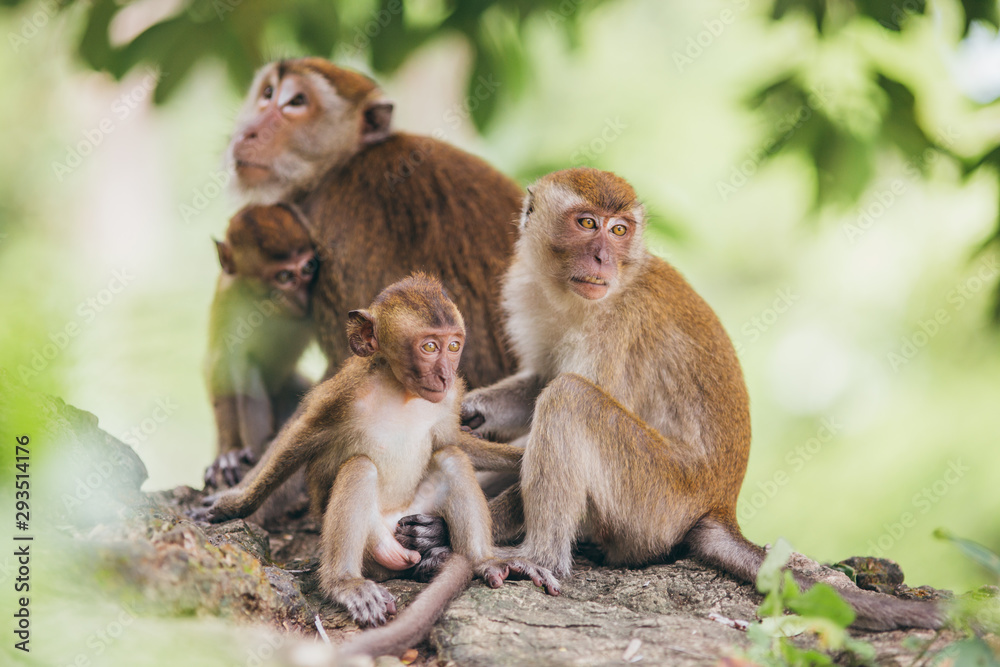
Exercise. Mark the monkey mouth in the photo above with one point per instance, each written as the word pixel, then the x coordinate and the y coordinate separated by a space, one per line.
pixel 590 280
pixel 591 288
pixel 244 165
pixel 433 395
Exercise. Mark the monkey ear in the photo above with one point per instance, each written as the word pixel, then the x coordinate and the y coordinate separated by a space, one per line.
pixel 377 121
pixel 361 333
pixel 225 257
pixel 528 208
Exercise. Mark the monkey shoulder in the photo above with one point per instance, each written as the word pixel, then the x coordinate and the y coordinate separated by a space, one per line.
pixel 681 310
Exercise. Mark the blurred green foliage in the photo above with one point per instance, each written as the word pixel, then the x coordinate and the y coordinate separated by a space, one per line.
pixel 243 34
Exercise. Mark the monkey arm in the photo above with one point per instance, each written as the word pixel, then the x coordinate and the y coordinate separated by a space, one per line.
pixel 503 410
pixel 253 407
pixel 297 444
pixel 243 417
pixel 486 455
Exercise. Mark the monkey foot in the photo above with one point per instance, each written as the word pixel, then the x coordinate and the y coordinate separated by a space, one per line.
pixel 368 603
pixel 226 470
pixel 392 555
pixel 495 570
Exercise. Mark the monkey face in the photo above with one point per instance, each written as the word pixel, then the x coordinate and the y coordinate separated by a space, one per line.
pixel 591 246
pixel 430 362
pixel 292 279
pixel 293 128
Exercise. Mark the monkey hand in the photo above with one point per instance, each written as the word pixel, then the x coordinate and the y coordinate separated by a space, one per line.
pixel 368 603
pixel 495 570
pixel 226 470
pixel 428 536
pixel 423 533
pixel 472 419
pixel 220 507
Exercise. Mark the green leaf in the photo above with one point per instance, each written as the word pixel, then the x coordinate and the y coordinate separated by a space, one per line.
pixel 815 8
pixel 980 10
pixel 972 652
pixel 784 626
pixel 891 15
pixel 822 601
pixel 769 575
pixel 973 550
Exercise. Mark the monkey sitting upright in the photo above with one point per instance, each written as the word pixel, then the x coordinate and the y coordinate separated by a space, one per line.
pixel 632 399
pixel 381 440
pixel 259 327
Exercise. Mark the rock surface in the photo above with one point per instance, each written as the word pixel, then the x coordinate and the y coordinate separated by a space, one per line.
pixel 142 550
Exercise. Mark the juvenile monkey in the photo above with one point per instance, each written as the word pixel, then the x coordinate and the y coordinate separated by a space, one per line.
pixel 321 136
pixel 631 396
pixel 381 440
pixel 259 327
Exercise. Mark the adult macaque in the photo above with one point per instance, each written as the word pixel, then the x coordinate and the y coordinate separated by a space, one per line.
pixel 632 398
pixel 259 327
pixel 380 440
pixel 381 204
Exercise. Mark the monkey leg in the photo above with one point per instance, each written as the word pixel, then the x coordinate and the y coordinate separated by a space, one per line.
pixel 507 515
pixel 591 466
pixel 350 523
pixel 286 401
pixel 467 516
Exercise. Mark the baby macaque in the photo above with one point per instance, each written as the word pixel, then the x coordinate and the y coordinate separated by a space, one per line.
pixel 381 440
pixel 259 327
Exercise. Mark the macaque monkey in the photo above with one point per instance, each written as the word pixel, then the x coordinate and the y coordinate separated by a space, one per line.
pixel 631 396
pixel 381 204
pixel 260 326
pixel 380 440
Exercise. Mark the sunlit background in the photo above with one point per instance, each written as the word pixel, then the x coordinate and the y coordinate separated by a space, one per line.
pixel 856 279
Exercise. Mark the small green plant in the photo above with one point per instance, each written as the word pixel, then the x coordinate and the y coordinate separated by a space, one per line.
pixel 819 611
pixel 974 614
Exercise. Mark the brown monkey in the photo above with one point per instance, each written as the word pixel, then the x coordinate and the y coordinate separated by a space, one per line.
pixel 382 204
pixel 631 395
pixel 381 439
pixel 259 327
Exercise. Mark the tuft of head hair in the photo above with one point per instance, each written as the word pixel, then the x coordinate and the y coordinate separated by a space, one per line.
pixel 352 86
pixel 603 189
pixel 277 230
pixel 421 295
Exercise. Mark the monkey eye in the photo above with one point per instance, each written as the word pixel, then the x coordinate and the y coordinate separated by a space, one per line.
pixel 454 346
pixel 284 277
pixel 309 268
pixel 267 93
pixel 619 230
pixel 429 346
pixel 297 101
pixel 587 223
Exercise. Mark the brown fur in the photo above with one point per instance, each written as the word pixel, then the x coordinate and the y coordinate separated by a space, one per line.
pixel 640 437
pixel 382 204
pixel 363 466
pixel 277 231
pixel 250 368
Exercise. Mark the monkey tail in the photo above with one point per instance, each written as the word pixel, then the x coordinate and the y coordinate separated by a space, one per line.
pixel 723 546
pixel 415 623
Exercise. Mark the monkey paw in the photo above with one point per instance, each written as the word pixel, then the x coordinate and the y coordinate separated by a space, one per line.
pixel 423 533
pixel 368 603
pixel 216 508
pixel 228 468
pixel 472 419
pixel 495 570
